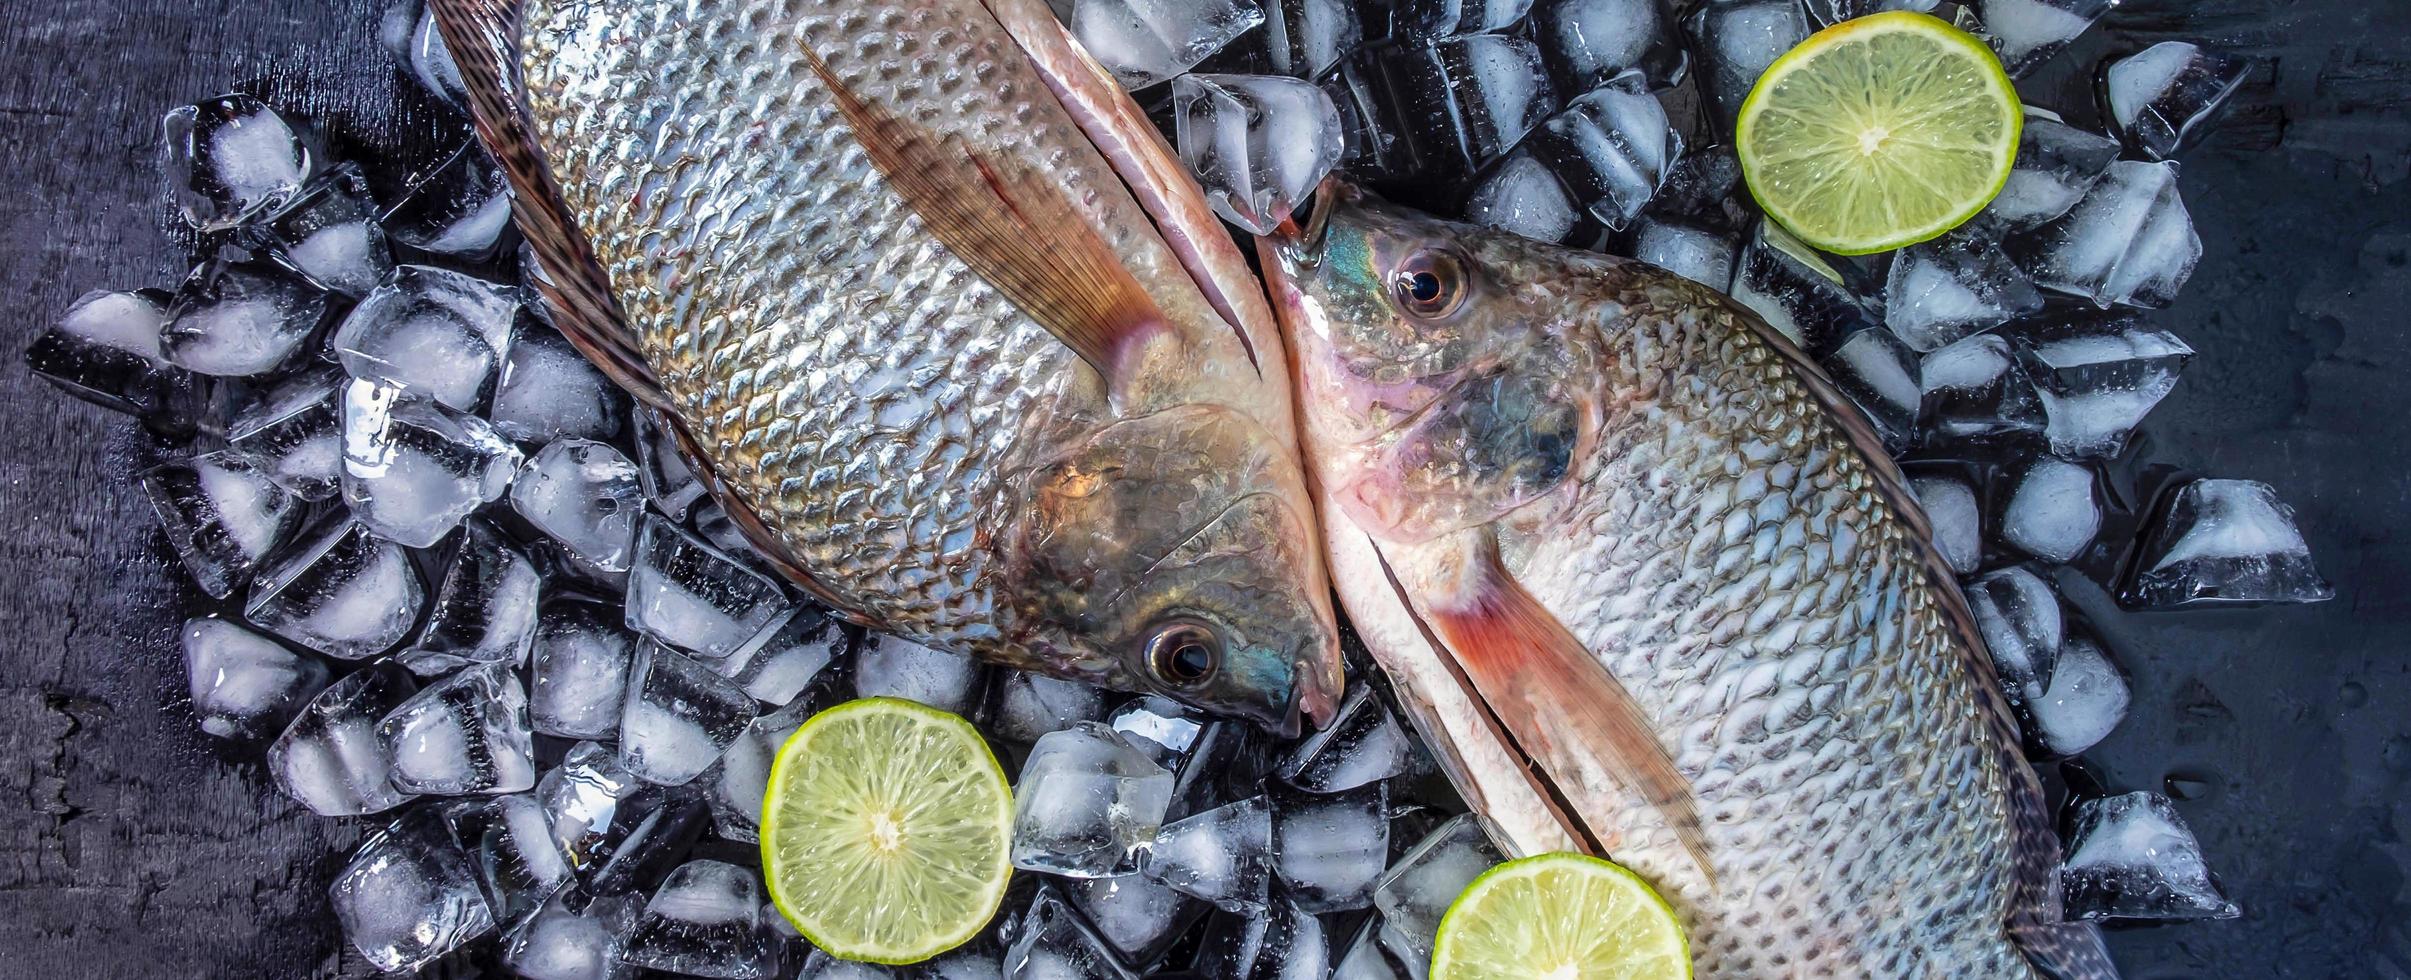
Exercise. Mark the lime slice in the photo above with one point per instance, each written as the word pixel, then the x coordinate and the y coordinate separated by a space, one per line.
pixel 1879 132
pixel 1559 917
pixel 885 830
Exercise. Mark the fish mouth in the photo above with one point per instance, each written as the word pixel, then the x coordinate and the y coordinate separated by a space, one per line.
pixel 1300 246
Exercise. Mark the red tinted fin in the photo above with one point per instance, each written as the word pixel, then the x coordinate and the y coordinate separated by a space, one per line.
pixel 1027 241
pixel 1556 699
pixel 483 36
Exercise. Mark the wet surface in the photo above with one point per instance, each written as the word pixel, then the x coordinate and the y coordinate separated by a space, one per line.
pixel 133 847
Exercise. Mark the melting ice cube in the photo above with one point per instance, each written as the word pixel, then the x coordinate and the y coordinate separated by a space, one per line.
pixel 244 685
pixel 2057 163
pixel 2098 379
pixel 1223 855
pixel 563 941
pixel 295 429
pixel 2053 510
pixel 1365 958
pixel 1054 944
pixel 409 894
pixel 1258 143
pixel 1879 374
pixel 2026 33
pixel 2019 614
pixel 618 831
pixel 414 469
pixel 2224 541
pixel 1363 744
pixel 667 481
pixel 579 671
pixel 1329 850
pixel 1612 147
pixel 705 921
pixel 1946 289
pixel 1520 195
pixel 1973 389
pixel 1416 891
pixel 1588 42
pixel 510 844
pixel 2087 699
pixel 438 332
pixel 330 234
pixel 890 667
pixel 330 758
pixel 1143 42
pixel 1031 705
pixel 1086 803
pixel 1697 254
pixel 2162 95
pixel 1139 916
pixel 1454 18
pixel 693 596
pixel 811 645
pixel 585 495
pixel 485 609
pixel 1304 38
pixel 1738 40
pixel 1796 291
pixel 1285 943
pixel 238 320
pixel 461 210
pixel 677 717
pixel 2128 242
pixel 231 158
pixel 464 734
pixel 549 392
pixel 2132 857
pixel 1166 730
pixel 342 591
pixel 1950 506
pixel 409 32
pixel 1440 110
pixel 743 776
pixel 106 351
pixel 223 515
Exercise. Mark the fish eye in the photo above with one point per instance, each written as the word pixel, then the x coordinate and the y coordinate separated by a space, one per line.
pixel 1429 283
pixel 1184 654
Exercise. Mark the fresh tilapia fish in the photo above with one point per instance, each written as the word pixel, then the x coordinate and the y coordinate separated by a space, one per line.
pixel 1652 591
pixel 938 315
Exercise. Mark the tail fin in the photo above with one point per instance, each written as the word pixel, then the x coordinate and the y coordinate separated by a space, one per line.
pixel 483 36
pixel 1555 699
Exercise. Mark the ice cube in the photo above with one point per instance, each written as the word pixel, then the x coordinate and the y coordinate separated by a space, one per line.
pixel 2019 614
pixel 1693 253
pixel 692 596
pixel 1973 389
pixel 246 686
pixel 1612 147
pixel 1230 761
pixel 1284 943
pixel 1879 374
pixel 1943 290
pixel 1441 110
pixel 329 234
pixel 2057 163
pixel 1143 42
pixel 461 210
pixel 678 716
pixel 743 776
pixel 1521 196
pixel 1086 803
pixel 1435 19
pixel 119 320
pixel 409 894
pixel 408 30
pixel 1362 745
pixel 585 495
pixel 295 430
pixel 510 844
pixel 2053 510
pixel 705 921
pixel 1030 705
pixel 1416 891
pixel 618 831
pixel 1364 958
pixel 890 667
pixel 565 941
pixel 579 672
pixel 231 158
pixel 1827 13
pixel 1138 916
pixel 84 356
pixel 2221 542
pixel 2097 379
pixel 2087 698
pixel 2026 33
pixel 1587 42
pixel 549 391
pixel 2133 857
pixel 330 758
pixel 980 959
pixel 664 474
pixel 485 610
pixel 1166 730
pixel 785 661
pixel 342 591
pixel 223 515
pixel 464 734
pixel 1796 291
pixel 1222 855
pixel 1304 38
pixel 413 469
pixel 1737 40
pixel 1258 143
pixel 1950 506
pixel 1054 944
pixel 238 320
pixel 438 332
pixel 1329 850
pixel 1703 187
pixel 2165 94
pixel 2128 242
pixel 819 965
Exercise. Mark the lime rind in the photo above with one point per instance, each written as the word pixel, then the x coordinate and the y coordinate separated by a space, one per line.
pixel 1564 903
pixel 1949 98
pixel 935 776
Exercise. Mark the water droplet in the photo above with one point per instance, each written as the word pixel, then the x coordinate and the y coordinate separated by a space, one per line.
pixel 2189 784
pixel 2353 695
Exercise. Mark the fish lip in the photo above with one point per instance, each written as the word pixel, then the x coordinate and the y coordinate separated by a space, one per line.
pixel 1317 703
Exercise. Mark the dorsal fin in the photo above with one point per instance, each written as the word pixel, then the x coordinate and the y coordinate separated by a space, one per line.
pixel 1027 241
pixel 483 36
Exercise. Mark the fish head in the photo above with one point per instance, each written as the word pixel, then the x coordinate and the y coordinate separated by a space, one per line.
pixel 1171 552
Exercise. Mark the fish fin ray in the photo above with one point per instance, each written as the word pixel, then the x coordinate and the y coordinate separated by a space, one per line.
pixel 484 38
pixel 1028 242
pixel 1522 659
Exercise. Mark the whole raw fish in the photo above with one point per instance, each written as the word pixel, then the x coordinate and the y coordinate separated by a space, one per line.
pixel 951 334
pixel 1651 588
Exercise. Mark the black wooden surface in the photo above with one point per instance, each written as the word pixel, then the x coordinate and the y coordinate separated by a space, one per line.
pixel 130 847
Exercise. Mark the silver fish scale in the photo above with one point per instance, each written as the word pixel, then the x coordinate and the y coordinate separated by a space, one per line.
pixel 856 383
pixel 1850 781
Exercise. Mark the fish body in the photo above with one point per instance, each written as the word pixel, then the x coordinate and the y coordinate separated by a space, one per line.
pixel 1492 421
pixel 911 441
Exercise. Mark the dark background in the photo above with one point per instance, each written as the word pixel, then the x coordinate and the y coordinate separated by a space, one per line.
pixel 130 846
